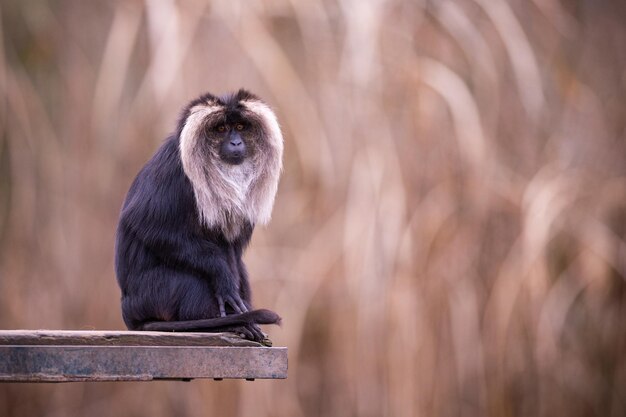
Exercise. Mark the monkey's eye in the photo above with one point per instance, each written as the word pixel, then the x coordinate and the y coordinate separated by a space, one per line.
pixel 221 128
pixel 239 127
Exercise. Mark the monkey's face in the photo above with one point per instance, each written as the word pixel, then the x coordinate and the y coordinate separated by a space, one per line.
pixel 233 135
pixel 233 139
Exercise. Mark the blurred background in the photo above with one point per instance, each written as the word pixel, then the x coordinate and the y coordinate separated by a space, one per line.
pixel 449 235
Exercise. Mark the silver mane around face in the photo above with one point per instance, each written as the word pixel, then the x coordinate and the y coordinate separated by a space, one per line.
pixel 230 195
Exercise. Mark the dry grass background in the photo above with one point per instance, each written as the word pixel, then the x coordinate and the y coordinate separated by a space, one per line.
pixel 449 233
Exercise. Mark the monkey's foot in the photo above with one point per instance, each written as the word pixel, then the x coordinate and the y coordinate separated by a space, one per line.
pixel 251 332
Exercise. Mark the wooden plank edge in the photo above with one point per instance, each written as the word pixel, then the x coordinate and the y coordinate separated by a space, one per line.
pixel 139 363
pixel 42 377
pixel 120 338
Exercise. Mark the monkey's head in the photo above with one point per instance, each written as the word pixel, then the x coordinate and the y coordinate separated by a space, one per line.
pixel 231 150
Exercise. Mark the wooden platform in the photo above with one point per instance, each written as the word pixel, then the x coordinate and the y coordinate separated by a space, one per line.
pixel 67 356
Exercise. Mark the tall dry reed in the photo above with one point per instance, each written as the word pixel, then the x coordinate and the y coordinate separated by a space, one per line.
pixel 449 234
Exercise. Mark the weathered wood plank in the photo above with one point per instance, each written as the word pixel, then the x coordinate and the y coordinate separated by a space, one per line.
pixel 138 363
pixel 120 338
pixel 65 356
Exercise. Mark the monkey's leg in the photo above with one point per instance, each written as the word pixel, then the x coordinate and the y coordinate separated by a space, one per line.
pixel 165 294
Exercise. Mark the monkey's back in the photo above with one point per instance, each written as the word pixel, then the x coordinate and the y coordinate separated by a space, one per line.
pixel 159 208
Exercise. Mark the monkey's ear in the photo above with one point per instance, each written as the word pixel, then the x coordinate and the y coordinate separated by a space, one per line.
pixel 244 95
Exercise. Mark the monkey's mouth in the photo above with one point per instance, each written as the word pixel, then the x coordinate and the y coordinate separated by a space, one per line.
pixel 233 158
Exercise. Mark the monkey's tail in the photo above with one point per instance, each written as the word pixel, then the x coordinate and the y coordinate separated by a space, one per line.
pixel 261 316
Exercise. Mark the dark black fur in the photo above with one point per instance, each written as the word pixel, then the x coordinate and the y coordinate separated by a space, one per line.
pixel 170 267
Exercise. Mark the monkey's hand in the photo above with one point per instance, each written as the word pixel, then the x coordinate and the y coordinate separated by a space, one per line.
pixel 233 300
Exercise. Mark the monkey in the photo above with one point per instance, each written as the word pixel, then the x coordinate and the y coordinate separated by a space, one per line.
pixel 189 215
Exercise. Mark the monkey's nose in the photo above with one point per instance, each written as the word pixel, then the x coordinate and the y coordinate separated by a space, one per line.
pixel 233 150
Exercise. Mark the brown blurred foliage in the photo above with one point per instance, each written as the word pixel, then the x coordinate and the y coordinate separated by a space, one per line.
pixel 449 233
